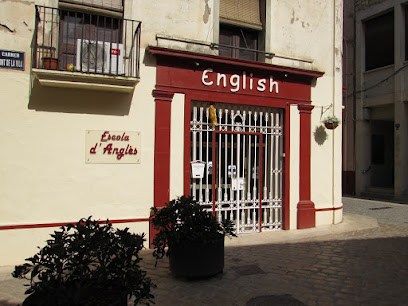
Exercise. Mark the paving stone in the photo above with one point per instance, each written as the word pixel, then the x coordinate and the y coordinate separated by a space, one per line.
pixel 359 267
pixel 284 300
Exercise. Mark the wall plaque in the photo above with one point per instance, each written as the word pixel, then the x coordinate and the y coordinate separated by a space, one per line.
pixel 12 59
pixel 112 147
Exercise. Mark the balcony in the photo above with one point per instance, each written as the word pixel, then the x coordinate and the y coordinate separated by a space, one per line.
pixel 74 49
pixel 228 52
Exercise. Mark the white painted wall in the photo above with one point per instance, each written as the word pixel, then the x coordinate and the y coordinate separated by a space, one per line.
pixel 302 36
pixel 44 177
pixel 177 147
pixel 43 174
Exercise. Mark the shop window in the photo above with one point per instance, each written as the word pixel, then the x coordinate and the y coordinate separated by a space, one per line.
pixel 241 28
pixel 379 41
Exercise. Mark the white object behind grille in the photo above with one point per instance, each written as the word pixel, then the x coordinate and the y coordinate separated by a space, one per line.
pixel 99 57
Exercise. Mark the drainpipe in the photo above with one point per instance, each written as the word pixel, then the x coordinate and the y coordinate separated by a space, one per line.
pixel 334 105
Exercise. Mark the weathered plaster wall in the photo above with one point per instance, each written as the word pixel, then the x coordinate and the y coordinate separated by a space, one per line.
pixel 43 174
pixel 187 19
pixel 381 95
pixel 302 31
pixel 44 177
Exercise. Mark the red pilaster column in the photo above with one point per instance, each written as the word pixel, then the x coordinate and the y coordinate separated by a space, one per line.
pixel 161 187
pixel 306 208
pixel 162 147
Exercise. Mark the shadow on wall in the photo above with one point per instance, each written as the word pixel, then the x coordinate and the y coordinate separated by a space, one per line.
pixel 320 135
pixel 49 99
pixel 207 12
pixel 149 60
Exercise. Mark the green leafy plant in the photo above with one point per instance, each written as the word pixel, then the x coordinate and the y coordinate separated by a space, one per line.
pixel 185 220
pixel 331 119
pixel 89 263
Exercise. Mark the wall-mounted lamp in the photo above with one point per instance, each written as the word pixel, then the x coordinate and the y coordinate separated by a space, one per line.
pixel 196 65
pixel 397 126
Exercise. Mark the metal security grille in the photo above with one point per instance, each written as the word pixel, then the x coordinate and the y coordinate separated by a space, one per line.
pixel 243 158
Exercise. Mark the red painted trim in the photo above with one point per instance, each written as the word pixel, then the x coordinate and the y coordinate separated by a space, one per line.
pixel 229 97
pixel 230 61
pixel 193 95
pixel 59 224
pixel 177 72
pixel 162 147
pixel 329 209
pixel 163 95
pixel 306 211
pixel 306 215
pixel 162 132
pixel 215 96
pixel 305 151
pixel 305 109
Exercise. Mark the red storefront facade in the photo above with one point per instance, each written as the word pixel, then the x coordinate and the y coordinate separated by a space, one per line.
pixel 215 80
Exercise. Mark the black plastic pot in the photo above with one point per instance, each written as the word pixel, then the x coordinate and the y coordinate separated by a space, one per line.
pixel 197 259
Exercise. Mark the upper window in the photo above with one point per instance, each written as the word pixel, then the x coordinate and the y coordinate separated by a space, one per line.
pixel 88 36
pixel 240 40
pixel 110 5
pixel 241 28
pixel 379 41
pixel 87 42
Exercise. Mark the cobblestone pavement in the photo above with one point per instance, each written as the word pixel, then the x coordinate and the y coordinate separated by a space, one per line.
pixel 368 267
pixel 384 212
pixel 359 267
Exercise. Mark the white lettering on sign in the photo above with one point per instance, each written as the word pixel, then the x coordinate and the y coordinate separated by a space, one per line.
pixel 236 81
pixel 11 63
pixel 12 60
pixel 10 54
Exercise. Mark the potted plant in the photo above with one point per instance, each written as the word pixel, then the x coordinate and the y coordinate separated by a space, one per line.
pixel 331 122
pixel 191 237
pixel 89 263
pixel 50 63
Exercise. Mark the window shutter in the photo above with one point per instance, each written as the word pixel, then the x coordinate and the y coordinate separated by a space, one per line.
pixel 244 13
pixel 114 5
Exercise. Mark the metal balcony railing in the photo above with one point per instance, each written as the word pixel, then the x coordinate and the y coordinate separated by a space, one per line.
pixel 76 41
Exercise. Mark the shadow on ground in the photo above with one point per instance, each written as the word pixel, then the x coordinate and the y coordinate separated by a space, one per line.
pixel 345 272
